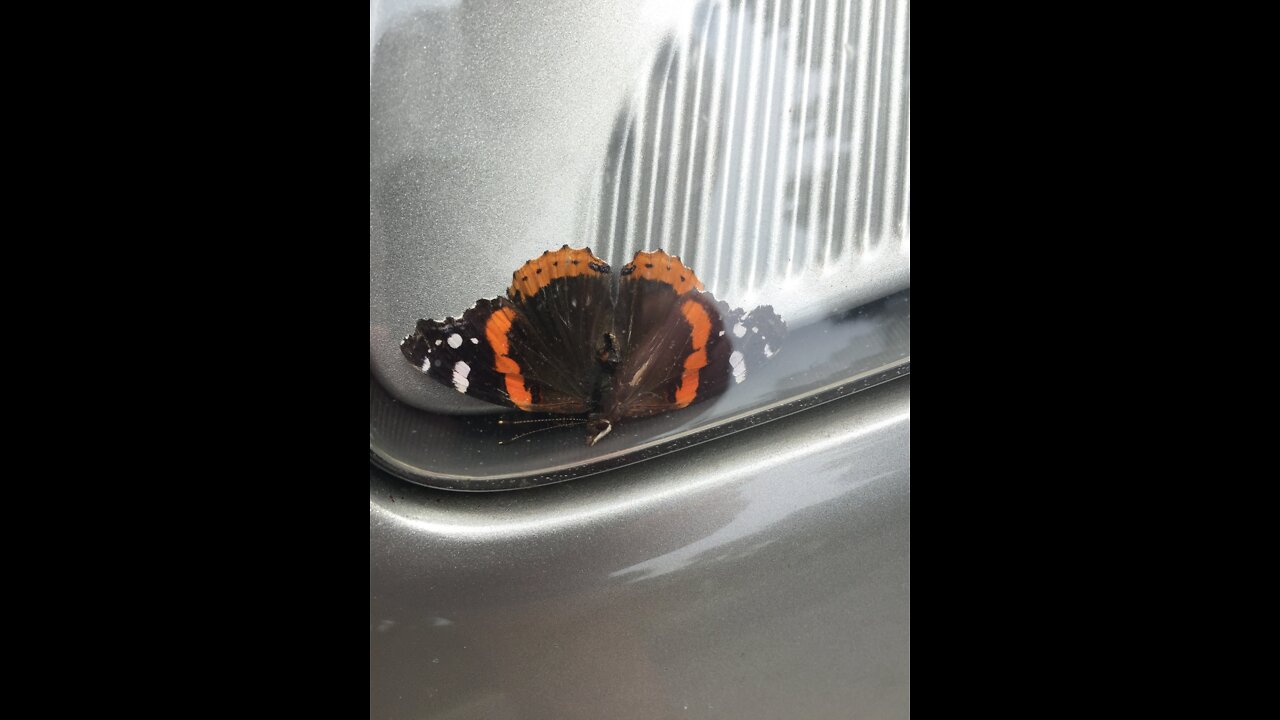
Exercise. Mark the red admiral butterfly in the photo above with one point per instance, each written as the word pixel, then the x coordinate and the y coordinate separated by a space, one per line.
pixel 569 339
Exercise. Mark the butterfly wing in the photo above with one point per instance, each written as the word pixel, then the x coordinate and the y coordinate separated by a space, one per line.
pixel 531 350
pixel 682 346
pixel 469 354
pixel 564 304
pixel 752 338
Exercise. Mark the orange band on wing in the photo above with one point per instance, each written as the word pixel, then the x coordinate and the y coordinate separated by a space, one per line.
pixel 495 330
pixel 700 323
pixel 565 262
pixel 664 268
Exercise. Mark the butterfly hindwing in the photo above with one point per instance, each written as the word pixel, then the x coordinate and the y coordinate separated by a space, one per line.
pixel 564 301
pixel 666 326
pixel 683 346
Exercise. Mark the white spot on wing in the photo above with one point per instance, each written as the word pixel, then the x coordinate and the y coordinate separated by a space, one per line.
pixel 755 330
pixel 426 364
pixel 460 372
pixel 475 341
pixel 739 366
pixel 767 352
pixel 455 340
pixel 437 342
pixel 739 330
pixel 721 334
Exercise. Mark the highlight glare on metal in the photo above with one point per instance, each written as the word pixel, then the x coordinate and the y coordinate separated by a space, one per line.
pixel 768 148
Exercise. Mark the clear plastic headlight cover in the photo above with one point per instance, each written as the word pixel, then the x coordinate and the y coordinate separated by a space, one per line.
pixel 765 143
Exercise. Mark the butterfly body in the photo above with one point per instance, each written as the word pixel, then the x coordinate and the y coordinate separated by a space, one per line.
pixel 572 337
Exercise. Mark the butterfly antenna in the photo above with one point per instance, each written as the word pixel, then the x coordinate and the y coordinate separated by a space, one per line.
pixel 532 432
pixel 522 422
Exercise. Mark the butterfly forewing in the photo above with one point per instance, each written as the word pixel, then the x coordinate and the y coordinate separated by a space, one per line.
pixel 458 353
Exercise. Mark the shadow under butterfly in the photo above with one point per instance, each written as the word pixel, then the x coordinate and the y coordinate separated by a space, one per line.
pixel 573 338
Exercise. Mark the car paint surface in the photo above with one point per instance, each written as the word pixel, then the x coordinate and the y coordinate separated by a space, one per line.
pixel 763 575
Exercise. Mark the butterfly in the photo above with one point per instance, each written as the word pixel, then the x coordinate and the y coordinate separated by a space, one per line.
pixel 571 337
